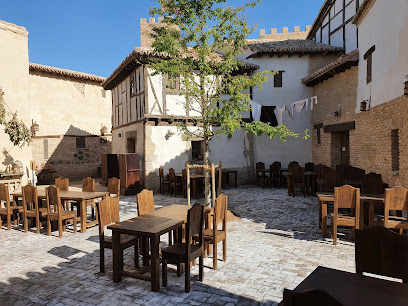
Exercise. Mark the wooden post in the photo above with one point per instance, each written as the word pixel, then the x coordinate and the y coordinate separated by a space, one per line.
pixel 213 184
pixel 219 178
pixel 188 183
pixel 205 185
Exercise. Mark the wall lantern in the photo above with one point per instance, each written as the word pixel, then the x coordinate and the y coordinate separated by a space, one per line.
pixel 34 127
pixel 363 106
pixel 406 87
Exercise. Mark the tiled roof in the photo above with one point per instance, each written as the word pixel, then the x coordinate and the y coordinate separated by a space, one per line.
pixel 362 11
pixel 66 72
pixel 140 56
pixel 339 65
pixel 288 46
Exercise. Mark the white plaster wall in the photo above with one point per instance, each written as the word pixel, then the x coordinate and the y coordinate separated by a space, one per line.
pixel 119 143
pixel 15 82
pixel 386 27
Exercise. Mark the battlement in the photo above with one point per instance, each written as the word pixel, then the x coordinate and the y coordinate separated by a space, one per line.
pixel 152 20
pixel 275 36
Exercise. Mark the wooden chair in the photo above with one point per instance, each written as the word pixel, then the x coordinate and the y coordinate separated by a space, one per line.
pixel 31 208
pixel 340 174
pixel 373 184
pixel 354 176
pixel 108 213
pixel 58 213
pixel 215 235
pixel 62 183
pixel 294 162
pixel 145 202
pixel 330 179
pixel 313 297
pixel 345 197
pixel 298 179
pixel 395 199
pixel 163 181
pixel 186 252
pixel 274 174
pixel 174 185
pixel 88 185
pixel 184 182
pixel 381 251
pixel 260 166
pixel 114 186
pixel 11 209
pixel 309 167
pixel 320 179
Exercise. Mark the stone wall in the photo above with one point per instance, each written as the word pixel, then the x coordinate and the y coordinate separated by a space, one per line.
pixel 275 36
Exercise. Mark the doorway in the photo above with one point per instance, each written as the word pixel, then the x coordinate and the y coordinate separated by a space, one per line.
pixel 130 145
pixel 340 148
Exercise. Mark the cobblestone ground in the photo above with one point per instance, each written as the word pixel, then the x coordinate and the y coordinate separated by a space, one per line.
pixel 274 244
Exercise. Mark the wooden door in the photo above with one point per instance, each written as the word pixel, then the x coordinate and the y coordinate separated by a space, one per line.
pixel 345 148
pixel 129 173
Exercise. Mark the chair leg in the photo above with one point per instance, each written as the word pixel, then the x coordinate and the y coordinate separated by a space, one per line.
pixel 334 231
pixel 102 259
pixel 25 220
pixel 224 250
pixel 179 269
pixel 187 276
pixel 38 223
pixel 60 228
pixel 201 269
pixel 215 255
pixel 75 224
pixel 48 226
pixel 137 254
pixel 164 271
pixel 8 222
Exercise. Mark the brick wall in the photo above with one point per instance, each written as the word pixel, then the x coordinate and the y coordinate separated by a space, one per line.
pixel 370 141
pixel 319 61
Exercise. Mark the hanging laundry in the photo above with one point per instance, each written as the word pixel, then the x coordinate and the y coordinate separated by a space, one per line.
pixel 256 111
pixel 268 115
pixel 280 112
pixel 299 105
pixel 313 100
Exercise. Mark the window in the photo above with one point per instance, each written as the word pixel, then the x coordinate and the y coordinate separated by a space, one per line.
pixel 368 56
pixel 172 84
pixel 80 142
pixel 319 138
pixel 395 150
pixel 278 78
pixel 196 149
pixel 132 86
pixel 318 128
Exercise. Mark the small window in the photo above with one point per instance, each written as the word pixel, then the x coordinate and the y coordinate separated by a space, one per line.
pixel 278 79
pixel 80 142
pixel 319 136
pixel 132 87
pixel 368 56
pixel 395 152
pixel 172 84
pixel 197 149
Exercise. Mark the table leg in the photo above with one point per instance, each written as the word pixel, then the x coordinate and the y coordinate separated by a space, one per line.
pixel 324 219
pixel 289 185
pixel 313 183
pixel 83 216
pixel 155 263
pixel 263 179
pixel 320 213
pixel 117 254
pixel 236 179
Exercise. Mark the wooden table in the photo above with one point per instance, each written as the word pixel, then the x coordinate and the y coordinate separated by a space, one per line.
pixel 355 289
pixel 226 174
pixel 262 171
pixel 310 182
pixel 151 225
pixel 324 198
pixel 78 196
pixel 194 178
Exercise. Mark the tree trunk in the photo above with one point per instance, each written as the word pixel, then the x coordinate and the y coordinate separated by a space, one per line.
pixel 207 174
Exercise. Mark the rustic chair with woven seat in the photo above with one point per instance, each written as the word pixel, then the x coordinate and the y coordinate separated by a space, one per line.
pixel 274 174
pixel 381 251
pixel 31 208
pixel 395 199
pixel 215 235
pixel 163 181
pixel 298 179
pixel 114 186
pixel 313 297
pixel 346 197
pixel 108 213
pixel 186 252
pixel 88 185
pixel 11 209
pixel 57 212
pixel 260 177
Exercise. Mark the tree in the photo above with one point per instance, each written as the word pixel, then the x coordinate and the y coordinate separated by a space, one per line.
pixel 188 45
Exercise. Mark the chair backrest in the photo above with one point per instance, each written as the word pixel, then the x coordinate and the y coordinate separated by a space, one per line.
pixel 346 197
pixel 313 297
pixel 351 172
pixel 172 176
pixel 298 173
pixel 294 162
pixel 88 184
pixel 62 183
pixel 108 213
pixel 194 226
pixel 199 170
pixel 381 251
pixel 30 196
pixel 145 202
pixel 309 167
pixel 260 166
pixel 373 184
pixel 275 167
pixel 396 199
pixel 330 178
pixel 5 195
pixel 114 186
pixel 341 173
pixel 220 212
pixel 184 176
pixel 161 175
pixel 54 199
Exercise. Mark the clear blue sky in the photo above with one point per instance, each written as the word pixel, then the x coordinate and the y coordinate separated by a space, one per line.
pixel 94 36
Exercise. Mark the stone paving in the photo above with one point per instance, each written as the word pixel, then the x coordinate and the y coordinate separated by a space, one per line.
pixel 274 244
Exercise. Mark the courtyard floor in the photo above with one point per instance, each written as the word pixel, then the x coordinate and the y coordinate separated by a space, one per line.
pixel 274 244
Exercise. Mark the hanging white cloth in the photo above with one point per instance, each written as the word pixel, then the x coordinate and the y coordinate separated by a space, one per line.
pixel 280 112
pixel 256 111
pixel 313 100
pixel 299 106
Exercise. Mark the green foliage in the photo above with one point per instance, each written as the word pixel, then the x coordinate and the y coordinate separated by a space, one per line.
pixel 188 45
pixel 18 132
